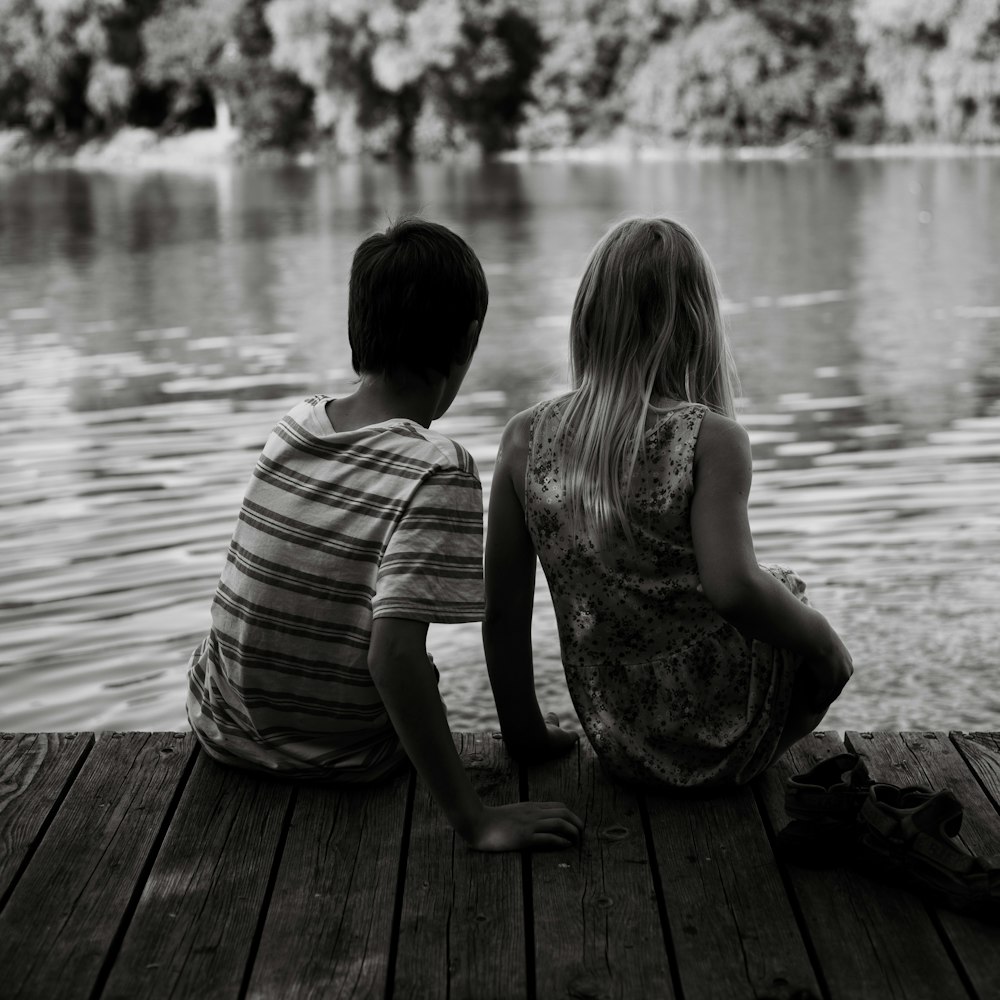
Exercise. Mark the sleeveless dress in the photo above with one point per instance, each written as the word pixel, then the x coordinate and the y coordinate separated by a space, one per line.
pixel 667 691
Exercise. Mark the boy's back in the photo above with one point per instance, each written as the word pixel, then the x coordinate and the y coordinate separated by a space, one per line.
pixel 336 529
pixel 359 527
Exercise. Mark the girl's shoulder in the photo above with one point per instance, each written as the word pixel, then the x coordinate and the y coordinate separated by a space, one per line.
pixel 719 425
pixel 520 426
pixel 515 442
pixel 722 439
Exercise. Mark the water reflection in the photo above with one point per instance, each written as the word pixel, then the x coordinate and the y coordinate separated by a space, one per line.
pixel 152 327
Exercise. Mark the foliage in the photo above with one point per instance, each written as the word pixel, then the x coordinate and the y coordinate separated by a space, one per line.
pixel 431 77
pixel 399 77
pixel 190 50
pixel 45 70
pixel 936 64
pixel 756 71
pixel 575 94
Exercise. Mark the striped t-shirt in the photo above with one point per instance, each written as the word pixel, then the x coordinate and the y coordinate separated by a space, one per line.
pixel 336 528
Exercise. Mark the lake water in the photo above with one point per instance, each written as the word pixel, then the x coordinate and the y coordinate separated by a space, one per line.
pixel 154 326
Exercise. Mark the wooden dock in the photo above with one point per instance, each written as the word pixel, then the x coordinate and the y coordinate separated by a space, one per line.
pixel 132 866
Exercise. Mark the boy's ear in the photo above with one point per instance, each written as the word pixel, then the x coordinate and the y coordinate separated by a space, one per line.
pixel 469 341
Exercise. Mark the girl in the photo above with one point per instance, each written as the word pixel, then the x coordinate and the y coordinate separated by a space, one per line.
pixel 690 666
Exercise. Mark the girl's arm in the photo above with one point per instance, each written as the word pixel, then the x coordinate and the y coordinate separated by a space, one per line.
pixel 743 593
pixel 510 596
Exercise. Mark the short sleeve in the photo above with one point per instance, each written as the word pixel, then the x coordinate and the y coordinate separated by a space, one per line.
pixel 432 567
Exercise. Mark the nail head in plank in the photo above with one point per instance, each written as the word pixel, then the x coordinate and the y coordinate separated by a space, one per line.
pixel 732 926
pixel 34 771
pixel 329 922
pixel 869 939
pixel 67 908
pixel 193 928
pixel 596 921
pixel 932 759
pixel 461 929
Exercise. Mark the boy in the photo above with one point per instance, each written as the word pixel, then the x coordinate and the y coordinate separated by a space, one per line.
pixel 360 526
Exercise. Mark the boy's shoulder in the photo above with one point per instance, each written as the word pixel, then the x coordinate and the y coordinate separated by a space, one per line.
pixel 452 454
pixel 401 437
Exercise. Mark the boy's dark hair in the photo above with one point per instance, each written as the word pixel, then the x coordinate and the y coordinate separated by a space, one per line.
pixel 414 290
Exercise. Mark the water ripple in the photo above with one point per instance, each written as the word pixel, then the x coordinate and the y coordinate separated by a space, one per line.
pixel 137 385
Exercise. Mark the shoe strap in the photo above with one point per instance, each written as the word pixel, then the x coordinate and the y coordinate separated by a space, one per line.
pixel 839 799
pixel 899 828
pixel 945 855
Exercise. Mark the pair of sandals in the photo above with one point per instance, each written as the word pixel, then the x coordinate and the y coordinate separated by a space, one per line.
pixel 904 835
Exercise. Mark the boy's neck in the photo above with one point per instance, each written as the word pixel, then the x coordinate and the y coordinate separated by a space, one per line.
pixel 377 399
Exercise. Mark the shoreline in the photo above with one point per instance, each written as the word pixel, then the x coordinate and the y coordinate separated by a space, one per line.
pixel 209 149
pixel 788 152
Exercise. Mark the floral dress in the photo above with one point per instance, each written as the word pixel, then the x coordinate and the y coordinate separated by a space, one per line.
pixel 667 691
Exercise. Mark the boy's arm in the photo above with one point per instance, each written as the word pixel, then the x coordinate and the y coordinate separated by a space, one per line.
pixel 406 682
pixel 510 594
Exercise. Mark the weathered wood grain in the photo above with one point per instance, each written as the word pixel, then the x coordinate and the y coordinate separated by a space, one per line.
pixel 596 921
pixel 329 922
pixel 34 771
pixel 981 752
pixel 733 929
pixel 193 928
pixel 870 940
pixel 135 875
pixel 66 910
pixel 461 930
pixel 932 759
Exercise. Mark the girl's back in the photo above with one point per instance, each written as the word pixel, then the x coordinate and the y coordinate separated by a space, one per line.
pixel 637 599
pixel 667 690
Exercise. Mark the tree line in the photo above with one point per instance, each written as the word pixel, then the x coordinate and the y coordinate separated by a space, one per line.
pixel 428 77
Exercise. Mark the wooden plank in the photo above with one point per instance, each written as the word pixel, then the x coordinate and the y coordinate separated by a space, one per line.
pixel 461 932
pixel 65 913
pixel 596 920
pixel 193 928
pixel 981 752
pixel 870 940
pixel 329 921
pixel 733 930
pixel 932 759
pixel 35 769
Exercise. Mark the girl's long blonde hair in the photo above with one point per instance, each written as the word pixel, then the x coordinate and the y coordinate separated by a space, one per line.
pixel 646 325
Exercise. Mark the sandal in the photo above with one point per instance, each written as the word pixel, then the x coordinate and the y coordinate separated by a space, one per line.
pixel 823 805
pixel 832 791
pixel 908 838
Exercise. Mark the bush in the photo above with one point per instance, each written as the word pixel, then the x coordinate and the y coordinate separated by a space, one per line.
pixel 272 108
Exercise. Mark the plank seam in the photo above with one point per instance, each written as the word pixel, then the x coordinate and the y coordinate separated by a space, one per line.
pixel 950 951
pixel 932 912
pixel 104 973
pixel 47 822
pixel 448 920
pixel 527 898
pixel 793 899
pixel 397 903
pixel 265 903
pixel 661 899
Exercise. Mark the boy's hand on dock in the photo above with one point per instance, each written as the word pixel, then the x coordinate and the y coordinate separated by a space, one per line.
pixel 525 826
